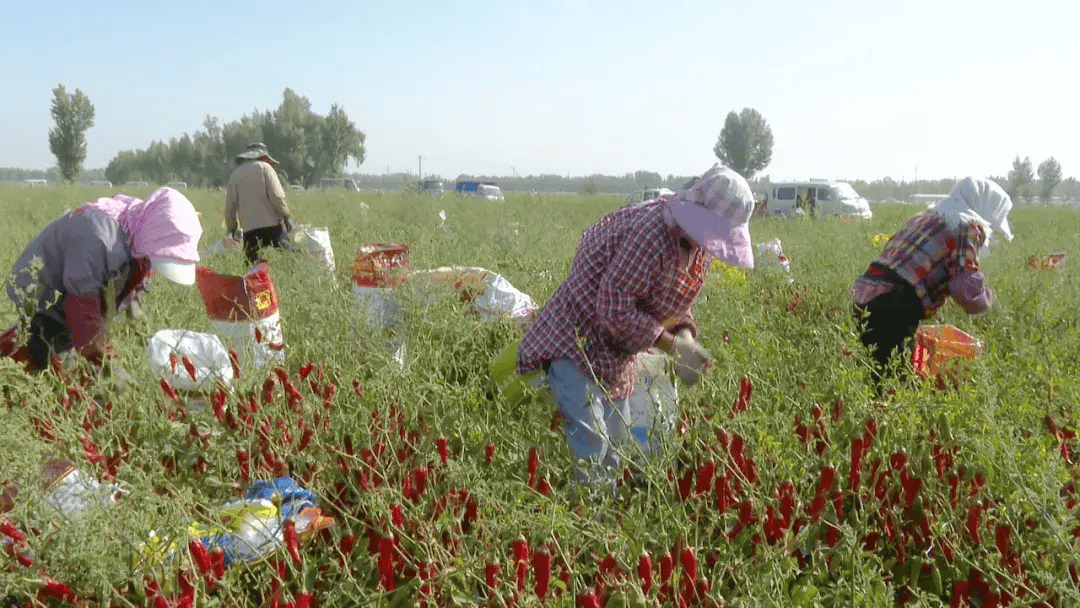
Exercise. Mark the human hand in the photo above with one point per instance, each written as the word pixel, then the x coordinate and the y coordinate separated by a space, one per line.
pixel 691 358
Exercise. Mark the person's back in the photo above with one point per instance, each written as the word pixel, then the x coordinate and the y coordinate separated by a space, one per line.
pixel 255 197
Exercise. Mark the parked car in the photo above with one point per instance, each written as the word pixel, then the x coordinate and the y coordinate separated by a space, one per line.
pixel 328 183
pixel 646 196
pixel 135 184
pixel 814 197
pixel 296 187
pixel 434 187
pixel 97 183
pixel 489 192
pixel 177 185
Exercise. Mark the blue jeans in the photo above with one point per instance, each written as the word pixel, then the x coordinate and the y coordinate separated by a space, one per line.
pixel 595 426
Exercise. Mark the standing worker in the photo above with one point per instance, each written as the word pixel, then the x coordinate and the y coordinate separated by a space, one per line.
pixel 92 262
pixel 255 200
pixel 934 256
pixel 634 269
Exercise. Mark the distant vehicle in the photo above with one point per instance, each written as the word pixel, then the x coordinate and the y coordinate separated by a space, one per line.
pixel 177 185
pixel 135 184
pixel 815 197
pixel 927 199
pixel 434 187
pixel 646 196
pixel 296 187
pixel 476 190
pixel 101 182
pixel 328 183
pixel 35 182
pixel 489 192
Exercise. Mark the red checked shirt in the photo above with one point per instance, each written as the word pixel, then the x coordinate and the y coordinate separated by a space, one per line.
pixel 937 261
pixel 625 281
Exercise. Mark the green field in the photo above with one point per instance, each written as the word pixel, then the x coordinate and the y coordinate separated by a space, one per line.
pixel 981 509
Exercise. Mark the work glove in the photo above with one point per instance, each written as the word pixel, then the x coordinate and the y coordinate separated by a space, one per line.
pixel 691 358
pixel 86 325
pixel 288 225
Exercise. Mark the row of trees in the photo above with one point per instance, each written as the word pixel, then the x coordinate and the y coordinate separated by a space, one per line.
pixel 1021 181
pixel 307 145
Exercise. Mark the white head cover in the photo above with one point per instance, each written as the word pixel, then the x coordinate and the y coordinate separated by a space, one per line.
pixel 978 200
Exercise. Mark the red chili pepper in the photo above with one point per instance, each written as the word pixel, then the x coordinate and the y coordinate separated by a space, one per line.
pixel 56 590
pixel 305 439
pixel 397 516
pixel 491 574
pixel 386 562
pixel 705 476
pixel 973 523
pixel 243 461
pixel 169 390
pixel 644 570
pixel 292 541
pixel 328 392
pixel 1001 539
pixel 440 444
pixel 520 551
pixel 856 464
pixel 742 402
pixel 268 390
pixel 305 370
pixel 258 336
pixel 200 556
pixel 587 600
pixel 304 599
pixel 356 389
pixel 217 558
pixel 346 546
pixel 24 560
pixel 489 452
pixel 9 529
pixel 234 360
pixel 190 367
pixel 667 567
pixel 541 571
pixel 420 477
pixel 689 563
pixel 534 464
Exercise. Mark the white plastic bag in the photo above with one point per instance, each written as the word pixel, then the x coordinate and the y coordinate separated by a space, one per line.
pixel 260 341
pixel 167 348
pixel 770 256
pixel 381 311
pixel 500 299
pixel 316 243
pixel 223 246
pixel 654 404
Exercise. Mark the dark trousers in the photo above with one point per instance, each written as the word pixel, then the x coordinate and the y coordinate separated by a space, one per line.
pixel 271 236
pixel 47 337
pixel 889 322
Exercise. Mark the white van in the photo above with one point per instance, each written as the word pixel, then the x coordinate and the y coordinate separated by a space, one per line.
pixel 646 196
pixel 818 197
pixel 489 192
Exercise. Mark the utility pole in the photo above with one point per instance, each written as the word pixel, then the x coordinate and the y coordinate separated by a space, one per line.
pixel 420 160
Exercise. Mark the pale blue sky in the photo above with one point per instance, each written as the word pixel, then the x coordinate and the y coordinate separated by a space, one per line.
pixel 851 89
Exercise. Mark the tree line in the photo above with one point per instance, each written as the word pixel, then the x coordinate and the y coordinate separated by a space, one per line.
pixel 310 146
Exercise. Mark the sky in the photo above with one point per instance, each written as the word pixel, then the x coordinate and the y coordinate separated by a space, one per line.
pixel 921 89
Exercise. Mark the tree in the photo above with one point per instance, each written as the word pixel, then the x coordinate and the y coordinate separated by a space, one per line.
pixel 1049 177
pixel 340 142
pixel 74 114
pixel 745 143
pixel 1020 176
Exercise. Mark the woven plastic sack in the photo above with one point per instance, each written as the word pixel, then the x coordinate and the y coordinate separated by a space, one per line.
pixel 937 345
pixel 316 243
pixel 208 356
pixel 491 295
pixel 654 404
pixel 770 256
pixel 244 312
pixel 381 265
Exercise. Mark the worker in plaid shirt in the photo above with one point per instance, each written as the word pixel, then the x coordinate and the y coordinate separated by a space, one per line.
pixel 635 269
pixel 935 256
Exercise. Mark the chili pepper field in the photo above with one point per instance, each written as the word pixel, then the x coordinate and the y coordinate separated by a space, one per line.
pixel 789 481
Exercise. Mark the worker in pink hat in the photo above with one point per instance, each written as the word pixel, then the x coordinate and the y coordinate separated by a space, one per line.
pixel 634 269
pixel 93 261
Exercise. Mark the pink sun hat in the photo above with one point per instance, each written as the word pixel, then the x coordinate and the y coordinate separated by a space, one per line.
pixel 714 211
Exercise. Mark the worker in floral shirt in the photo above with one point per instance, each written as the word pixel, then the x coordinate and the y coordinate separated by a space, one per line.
pixel 635 269
pixel 935 256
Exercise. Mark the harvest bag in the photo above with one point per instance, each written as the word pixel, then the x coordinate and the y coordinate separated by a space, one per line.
pixel 381 265
pixel 936 345
pixel 379 269
pixel 316 243
pixel 207 356
pixel 244 312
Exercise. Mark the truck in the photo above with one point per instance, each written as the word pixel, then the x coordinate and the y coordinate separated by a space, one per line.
pixel 473 189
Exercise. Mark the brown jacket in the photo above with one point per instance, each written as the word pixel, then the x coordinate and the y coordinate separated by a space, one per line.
pixel 255 197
